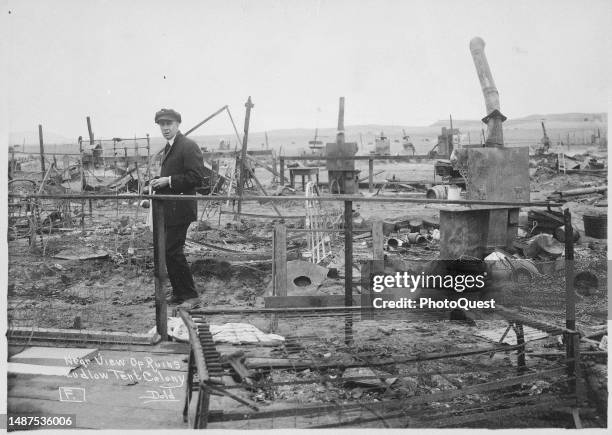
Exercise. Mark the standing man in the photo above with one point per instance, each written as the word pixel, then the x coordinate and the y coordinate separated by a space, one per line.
pixel 182 170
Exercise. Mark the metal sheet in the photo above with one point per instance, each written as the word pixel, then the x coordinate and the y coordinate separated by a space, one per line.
pixel 498 174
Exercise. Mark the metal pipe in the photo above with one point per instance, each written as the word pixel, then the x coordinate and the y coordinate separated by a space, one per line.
pixel 485 77
pixel 205 120
pixel 494 117
pixel 90 131
pixel 332 198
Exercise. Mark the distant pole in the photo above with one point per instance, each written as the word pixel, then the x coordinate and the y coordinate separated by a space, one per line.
pixel 249 105
pixel 148 175
pixel 82 187
pixel 42 149
pixel 90 131
pixel 450 145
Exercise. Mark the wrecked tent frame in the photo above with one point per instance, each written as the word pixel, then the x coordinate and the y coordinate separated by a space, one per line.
pixel 571 335
pixel 209 360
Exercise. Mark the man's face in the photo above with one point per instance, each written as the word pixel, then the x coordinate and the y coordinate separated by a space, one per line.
pixel 168 128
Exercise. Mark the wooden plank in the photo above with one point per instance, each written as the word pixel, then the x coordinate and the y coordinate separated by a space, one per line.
pixel 100 393
pixel 308 301
pixel 279 261
pixel 288 363
pixel 80 335
pixel 163 347
pixel 94 416
pixel 377 241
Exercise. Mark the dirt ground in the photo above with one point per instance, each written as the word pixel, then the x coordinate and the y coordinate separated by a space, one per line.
pixel 231 264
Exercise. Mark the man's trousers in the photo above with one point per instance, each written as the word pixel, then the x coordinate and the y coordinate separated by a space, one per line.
pixel 176 263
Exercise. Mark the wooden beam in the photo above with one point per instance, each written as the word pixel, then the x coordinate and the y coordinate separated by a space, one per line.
pixel 249 105
pixel 308 301
pixel 159 257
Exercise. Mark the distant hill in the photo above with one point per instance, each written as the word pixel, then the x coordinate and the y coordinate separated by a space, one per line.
pixel 574 127
pixel 30 137
pixel 551 117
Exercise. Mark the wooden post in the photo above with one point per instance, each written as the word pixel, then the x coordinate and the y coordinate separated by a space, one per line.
pixel 572 342
pixel 249 105
pixel 348 269
pixel 148 174
pixel 282 170
pixel 82 187
pixel 274 167
pixel 570 296
pixel 213 177
pixel 42 149
pixel 279 266
pixel 94 159
pixel 520 340
pixel 371 175
pixel 378 240
pixel 159 258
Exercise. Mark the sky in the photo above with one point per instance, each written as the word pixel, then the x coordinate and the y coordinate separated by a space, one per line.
pixel 395 62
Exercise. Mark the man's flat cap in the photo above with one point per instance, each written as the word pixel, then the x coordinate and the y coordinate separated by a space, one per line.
pixel 167 114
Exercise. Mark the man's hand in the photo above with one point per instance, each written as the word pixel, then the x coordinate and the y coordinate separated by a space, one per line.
pixel 160 183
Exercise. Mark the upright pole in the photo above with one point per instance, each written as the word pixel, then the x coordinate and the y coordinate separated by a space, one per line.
pixel 82 186
pixel 348 269
pixel 94 158
pixel 148 174
pixel 570 307
pixel 249 105
pixel 42 149
pixel 281 160
pixel 159 257
pixel 371 175
pixel 572 340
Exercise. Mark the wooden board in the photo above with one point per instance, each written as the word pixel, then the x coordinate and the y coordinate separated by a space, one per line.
pixel 111 403
pixel 308 301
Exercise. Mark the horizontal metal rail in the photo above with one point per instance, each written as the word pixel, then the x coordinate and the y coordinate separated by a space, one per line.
pixel 372 157
pixel 331 198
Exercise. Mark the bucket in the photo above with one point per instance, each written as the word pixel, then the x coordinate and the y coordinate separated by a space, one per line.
pixel 394 243
pixel 416 238
pixel 453 193
pixel 437 192
pixel 596 226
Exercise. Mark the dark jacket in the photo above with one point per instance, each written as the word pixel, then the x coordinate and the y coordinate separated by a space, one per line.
pixel 185 164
